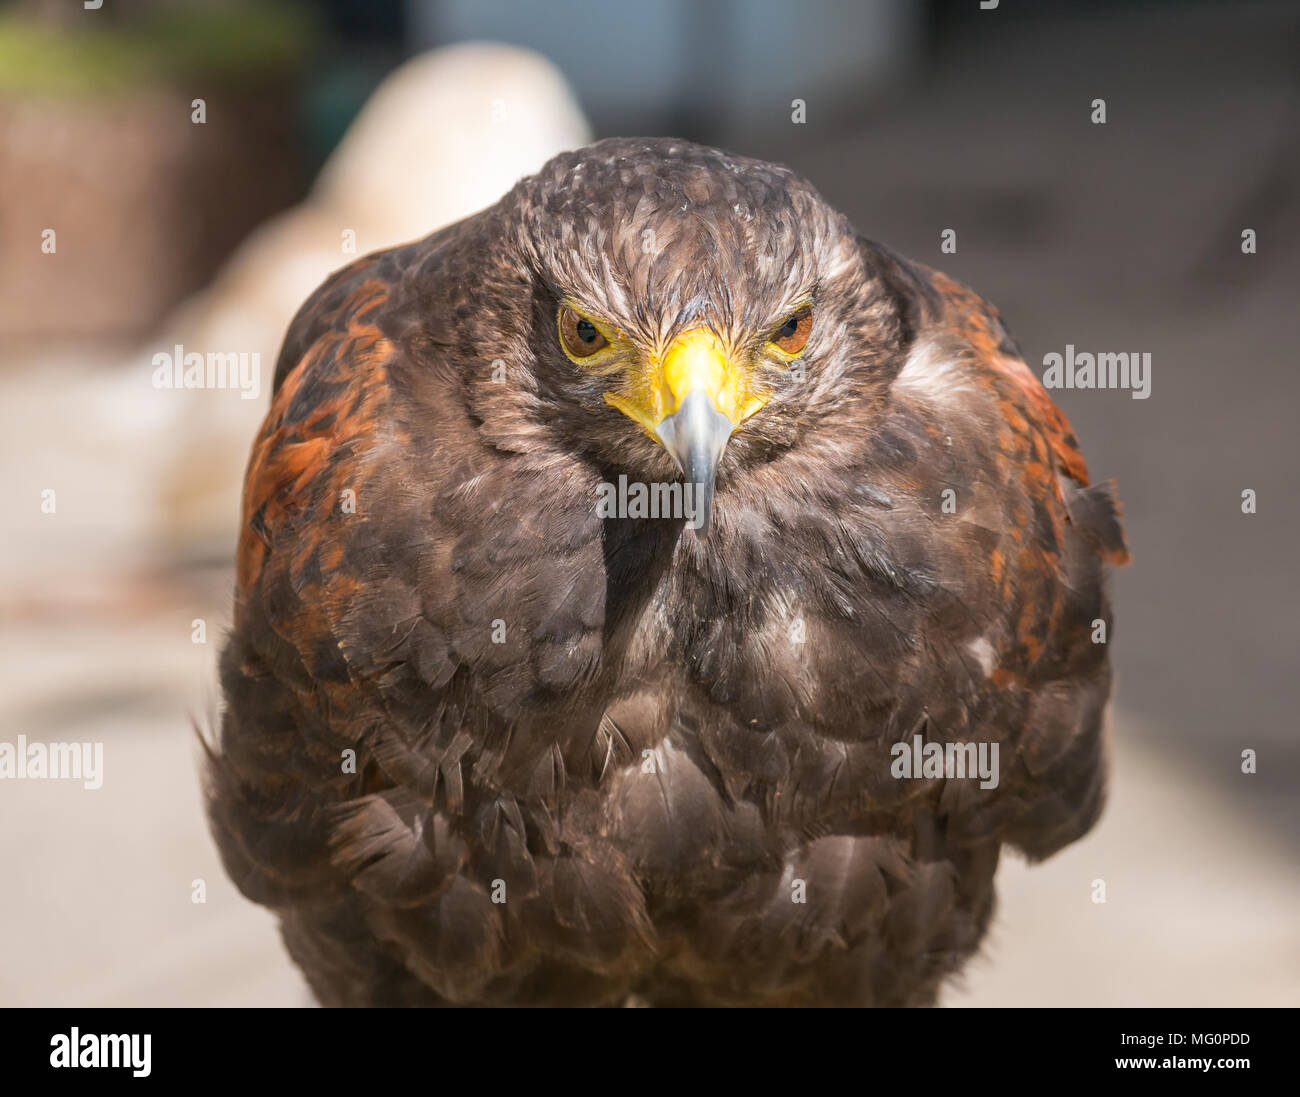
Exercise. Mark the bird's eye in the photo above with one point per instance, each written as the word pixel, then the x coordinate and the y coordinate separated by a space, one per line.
pixel 792 336
pixel 581 338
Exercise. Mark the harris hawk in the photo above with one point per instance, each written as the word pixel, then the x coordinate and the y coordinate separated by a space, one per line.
pixel 486 743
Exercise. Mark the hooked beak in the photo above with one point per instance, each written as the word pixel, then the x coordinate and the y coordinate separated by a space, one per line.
pixel 696 401
pixel 695 435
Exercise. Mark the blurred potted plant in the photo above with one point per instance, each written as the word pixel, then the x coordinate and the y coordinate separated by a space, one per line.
pixel 137 148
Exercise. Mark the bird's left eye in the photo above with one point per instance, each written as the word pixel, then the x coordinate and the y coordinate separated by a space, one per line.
pixel 792 336
pixel 580 336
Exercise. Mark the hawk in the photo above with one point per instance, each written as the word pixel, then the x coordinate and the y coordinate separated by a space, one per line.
pixel 485 743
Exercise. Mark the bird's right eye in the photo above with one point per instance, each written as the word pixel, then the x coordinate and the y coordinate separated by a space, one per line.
pixel 581 337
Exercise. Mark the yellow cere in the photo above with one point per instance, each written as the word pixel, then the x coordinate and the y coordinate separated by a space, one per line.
pixel 696 360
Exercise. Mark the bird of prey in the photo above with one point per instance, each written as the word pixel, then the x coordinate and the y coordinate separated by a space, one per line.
pixel 488 742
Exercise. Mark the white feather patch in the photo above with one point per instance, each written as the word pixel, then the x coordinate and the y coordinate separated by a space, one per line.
pixel 936 374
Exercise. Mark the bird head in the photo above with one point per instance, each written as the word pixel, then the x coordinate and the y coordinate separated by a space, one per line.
pixel 697 313
pixel 689 390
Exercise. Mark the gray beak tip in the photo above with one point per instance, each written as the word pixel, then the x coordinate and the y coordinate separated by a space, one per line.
pixel 695 435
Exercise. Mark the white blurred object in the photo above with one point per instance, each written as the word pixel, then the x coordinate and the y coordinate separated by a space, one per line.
pixel 447 134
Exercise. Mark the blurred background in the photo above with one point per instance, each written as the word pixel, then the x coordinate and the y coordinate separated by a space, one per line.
pixel 185 173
